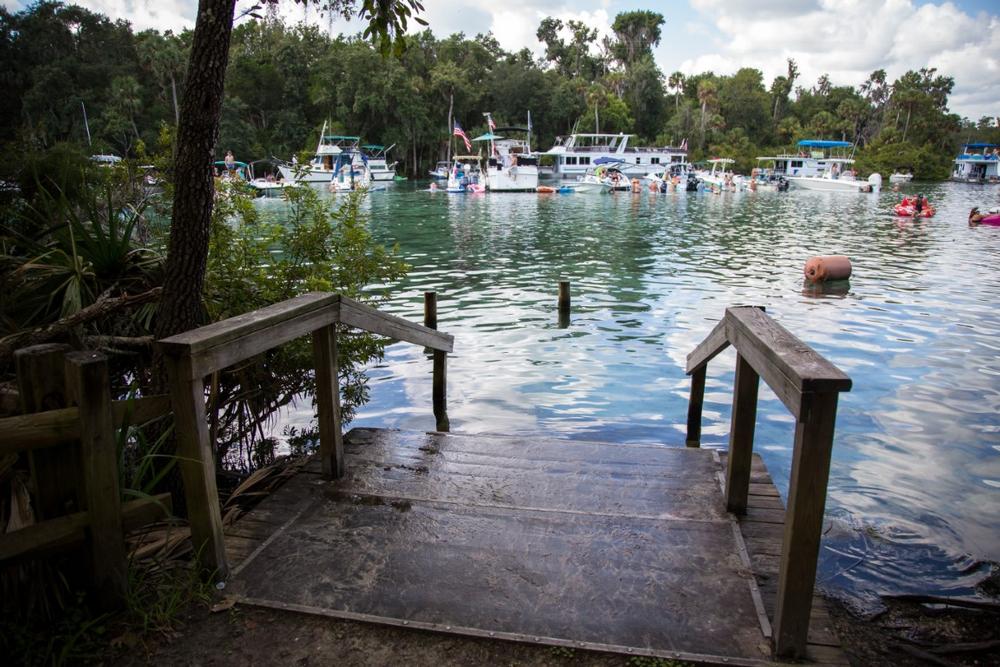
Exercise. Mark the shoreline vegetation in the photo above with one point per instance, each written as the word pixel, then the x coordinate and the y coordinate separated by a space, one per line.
pixel 83 259
pixel 78 77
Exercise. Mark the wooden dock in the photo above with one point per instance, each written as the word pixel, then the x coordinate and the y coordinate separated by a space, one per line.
pixel 625 548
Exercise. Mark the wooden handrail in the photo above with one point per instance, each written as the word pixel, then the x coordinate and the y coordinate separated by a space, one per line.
pixel 192 355
pixel 808 385
pixel 53 427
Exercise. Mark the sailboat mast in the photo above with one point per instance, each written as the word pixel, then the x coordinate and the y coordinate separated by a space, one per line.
pixel 451 125
pixel 529 130
pixel 86 125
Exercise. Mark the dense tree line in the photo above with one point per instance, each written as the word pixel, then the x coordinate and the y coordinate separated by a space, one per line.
pixel 283 81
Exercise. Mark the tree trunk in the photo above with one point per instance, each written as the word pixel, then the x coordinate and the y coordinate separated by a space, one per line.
pixel 906 128
pixel 197 133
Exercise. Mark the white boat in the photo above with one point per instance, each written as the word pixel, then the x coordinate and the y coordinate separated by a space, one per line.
pixel 466 175
pixel 350 173
pixel 825 167
pixel 900 177
pixel 441 170
pixel 605 176
pixel 511 167
pixel 720 175
pixel 978 163
pixel 377 157
pixel 675 174
pixel 322 167
pixel 576 153
pixel 766 177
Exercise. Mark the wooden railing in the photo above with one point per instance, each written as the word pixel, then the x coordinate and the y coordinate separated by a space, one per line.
pixel 192 355
pixel 808 385
pixel 73 459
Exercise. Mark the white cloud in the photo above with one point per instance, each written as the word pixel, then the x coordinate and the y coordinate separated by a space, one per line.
pixel 848 39
pixel 147 14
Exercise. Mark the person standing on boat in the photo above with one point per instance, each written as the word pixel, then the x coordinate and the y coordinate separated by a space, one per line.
pixel 230 161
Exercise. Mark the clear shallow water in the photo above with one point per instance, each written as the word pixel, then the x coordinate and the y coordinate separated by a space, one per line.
pixel 914 495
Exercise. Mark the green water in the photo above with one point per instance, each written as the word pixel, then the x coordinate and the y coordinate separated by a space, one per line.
pixel 914 496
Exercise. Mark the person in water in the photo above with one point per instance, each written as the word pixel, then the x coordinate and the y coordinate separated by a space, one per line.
pixel 975 217
pixel 918 204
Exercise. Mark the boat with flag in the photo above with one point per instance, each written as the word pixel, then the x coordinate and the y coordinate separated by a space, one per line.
pixel 510 166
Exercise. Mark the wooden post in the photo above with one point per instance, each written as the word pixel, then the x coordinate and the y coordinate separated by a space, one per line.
pixel 41 380
pixel 804 522
pixel 194 451
pixel 440 381
pixel 694 407
pixel 741 430
pixel 564 303
pixel 88 383
pixel 431 310
pixel 331 439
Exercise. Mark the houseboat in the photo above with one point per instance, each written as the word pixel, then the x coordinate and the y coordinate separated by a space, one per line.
pixel 575 154
pixel 978 163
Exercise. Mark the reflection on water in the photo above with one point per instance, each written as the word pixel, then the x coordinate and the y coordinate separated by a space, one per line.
pixel 915 482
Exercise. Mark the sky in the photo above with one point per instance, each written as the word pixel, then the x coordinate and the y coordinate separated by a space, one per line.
pixel 847 39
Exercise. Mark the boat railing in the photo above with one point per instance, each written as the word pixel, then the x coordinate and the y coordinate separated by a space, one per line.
pixel 808 385
pixel 193 355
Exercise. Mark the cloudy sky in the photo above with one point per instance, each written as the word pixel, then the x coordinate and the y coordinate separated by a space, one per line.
pixel 846 38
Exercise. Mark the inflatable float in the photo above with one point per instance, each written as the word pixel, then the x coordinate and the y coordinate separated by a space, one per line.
pixel 908 208
pixel 827 267
pixel 545 189
pixel 977 218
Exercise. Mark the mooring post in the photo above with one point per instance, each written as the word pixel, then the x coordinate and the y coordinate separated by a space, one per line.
pixel 440 382
pixel 88 385
pixel 741 431
pixel 564 303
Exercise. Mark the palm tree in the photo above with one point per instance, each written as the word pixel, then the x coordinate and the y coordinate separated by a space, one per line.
pixel 707 96
pixel 676 83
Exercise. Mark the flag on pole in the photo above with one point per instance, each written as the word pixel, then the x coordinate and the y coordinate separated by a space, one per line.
pixel 459 132
pixel 490 123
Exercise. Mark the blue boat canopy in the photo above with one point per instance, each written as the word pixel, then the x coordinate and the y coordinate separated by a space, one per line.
pixel 979 145
pixel 336 137
pixel 606 160
pixel 488 136
pixel 822 143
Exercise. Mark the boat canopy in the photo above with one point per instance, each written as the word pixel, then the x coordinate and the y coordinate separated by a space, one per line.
pixel 979 145
pixel 822 143
pixel 237 164
pixel 512 129
pixel 489 136
pixel 373 147
pixel 339 137
pixel 606 160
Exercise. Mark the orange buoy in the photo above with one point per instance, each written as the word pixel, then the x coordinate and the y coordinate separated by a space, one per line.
pixel 827 267
pixel 545 189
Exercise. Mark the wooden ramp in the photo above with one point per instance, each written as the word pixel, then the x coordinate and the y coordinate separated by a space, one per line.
pixel 605 546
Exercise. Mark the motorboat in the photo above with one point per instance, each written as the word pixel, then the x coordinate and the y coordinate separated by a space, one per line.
pixel 720 176
pixel 977 163
pixel 510 166
pixel 322 167
pixel 604 176
pixel 675 172
pixel 441 170
pixel 826 167
pixel 466 175
pixel 900 177
pixel 377 157
pixel 576 153
pixel 834 182
pixel 350 173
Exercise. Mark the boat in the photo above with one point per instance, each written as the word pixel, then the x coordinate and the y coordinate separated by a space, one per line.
pixel 675 173
pixel 576 153
pixel 350 173
pixel 604 176
pixel 511 167
pixel 900 177
pixel 720 175
pixel 977 163
pixel 441 170
pixel 767 177
pixel 323 165
pixel 377 157
pixel 825 167
pixel 466 175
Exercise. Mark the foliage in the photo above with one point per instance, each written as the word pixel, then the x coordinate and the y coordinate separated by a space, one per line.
pixel 253 263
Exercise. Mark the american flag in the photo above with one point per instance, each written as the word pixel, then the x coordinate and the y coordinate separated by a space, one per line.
pixel 459 132
pixel 489 121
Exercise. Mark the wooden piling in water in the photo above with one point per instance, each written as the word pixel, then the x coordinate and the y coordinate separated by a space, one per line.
pixel 564 303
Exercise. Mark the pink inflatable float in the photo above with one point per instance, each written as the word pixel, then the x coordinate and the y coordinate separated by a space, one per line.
pixel 827 267
pixel 977 218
